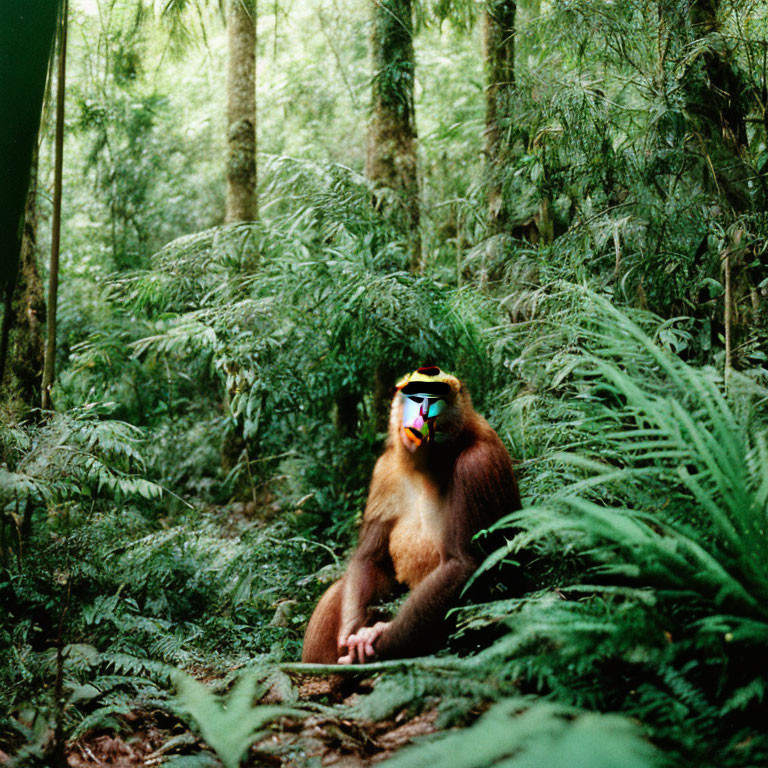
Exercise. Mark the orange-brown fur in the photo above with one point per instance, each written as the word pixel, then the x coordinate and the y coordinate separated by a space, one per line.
pixel 422 512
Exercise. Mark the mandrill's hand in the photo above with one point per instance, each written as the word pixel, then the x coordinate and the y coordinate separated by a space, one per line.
pixel 360 645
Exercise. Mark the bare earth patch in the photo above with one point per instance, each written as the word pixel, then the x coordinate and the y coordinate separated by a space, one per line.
pixel 150 738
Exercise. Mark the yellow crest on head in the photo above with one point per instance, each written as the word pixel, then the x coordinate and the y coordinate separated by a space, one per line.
pixel 430 373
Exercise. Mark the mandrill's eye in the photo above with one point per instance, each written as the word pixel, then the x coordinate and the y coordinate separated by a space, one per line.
pixel 428 388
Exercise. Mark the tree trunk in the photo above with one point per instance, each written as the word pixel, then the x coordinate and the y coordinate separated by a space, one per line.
pixel 719 100
pixel 27 31
pixel 242 201
pixel 391 153
pixel 233 444
pixel 242 204
pixel 499 58
pixel 27 348
pixel 346 422
pixel 383 390
pixel 53 280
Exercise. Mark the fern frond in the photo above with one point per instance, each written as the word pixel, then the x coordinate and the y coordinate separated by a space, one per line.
pixel 526 733
pixel 231 724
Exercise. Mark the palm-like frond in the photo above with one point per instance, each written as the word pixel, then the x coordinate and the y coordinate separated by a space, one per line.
pixel 677 431
pixel 232 724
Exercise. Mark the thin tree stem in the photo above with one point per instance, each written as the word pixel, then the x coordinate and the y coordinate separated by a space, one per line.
pixel 728 322
pixel 53 278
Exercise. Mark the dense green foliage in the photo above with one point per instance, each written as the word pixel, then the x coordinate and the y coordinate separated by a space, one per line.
pixel 592 335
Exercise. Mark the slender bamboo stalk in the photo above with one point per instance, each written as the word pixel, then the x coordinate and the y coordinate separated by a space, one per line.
pixel 53 278
pixel 728 316
pixel 5 330
pixel 731 250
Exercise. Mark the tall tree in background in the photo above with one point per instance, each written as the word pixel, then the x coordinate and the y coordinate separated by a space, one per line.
pixel 722 103
pixel 718 97
pixel 27 29
pixel 391 161
pixel 499 62
pixel 391 166
pixel 242 204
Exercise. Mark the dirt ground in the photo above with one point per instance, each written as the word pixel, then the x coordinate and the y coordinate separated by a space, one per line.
pixel 150 738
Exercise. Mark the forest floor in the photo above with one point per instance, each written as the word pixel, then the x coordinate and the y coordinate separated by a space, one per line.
pixel 150 738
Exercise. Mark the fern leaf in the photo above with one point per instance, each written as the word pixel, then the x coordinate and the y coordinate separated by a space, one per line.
pixel 228 725
pixel 526 733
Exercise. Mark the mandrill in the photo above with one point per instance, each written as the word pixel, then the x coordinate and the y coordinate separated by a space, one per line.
pixel 444 476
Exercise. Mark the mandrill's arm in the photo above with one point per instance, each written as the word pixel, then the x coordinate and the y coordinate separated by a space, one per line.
pixel 420 625
pixel 368 577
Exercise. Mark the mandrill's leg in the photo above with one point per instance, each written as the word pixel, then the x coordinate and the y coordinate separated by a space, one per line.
pixel 320 639
pixel 346 606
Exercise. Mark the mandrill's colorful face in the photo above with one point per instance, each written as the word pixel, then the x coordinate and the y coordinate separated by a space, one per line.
pixel 425 395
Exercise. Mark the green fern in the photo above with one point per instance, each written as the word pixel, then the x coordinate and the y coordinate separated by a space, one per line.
pixel 528 733
pixel 229 725
pixel 660 508
pixel 690 439
pixel 107 717
pixel 76 455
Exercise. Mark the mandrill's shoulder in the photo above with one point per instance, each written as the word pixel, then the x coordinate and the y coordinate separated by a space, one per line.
pixel 484 471
pixel 480 442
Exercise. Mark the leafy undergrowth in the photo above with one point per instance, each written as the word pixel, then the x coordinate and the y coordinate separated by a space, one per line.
pixel 638 642
pixel 339 720
pixel 354 720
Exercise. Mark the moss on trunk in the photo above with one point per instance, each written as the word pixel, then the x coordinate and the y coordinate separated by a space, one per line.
pixel 27 344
